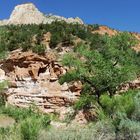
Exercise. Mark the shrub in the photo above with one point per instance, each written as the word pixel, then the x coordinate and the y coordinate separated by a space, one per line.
pixel 3 86
pixel 95 27
pixel 45 121
pixel 121 110
pixel 55 39
pixel 85 102
pixel 3 51
pixel 30 129
pixel 18 113
pixel 39 49
pixel 136 112
pixel 28 123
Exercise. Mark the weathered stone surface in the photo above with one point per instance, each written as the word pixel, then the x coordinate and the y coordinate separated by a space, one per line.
pixel 46 40
pixel 26 14
pixel 34 80
pixel 80 118
pixel 130 85
pixel 105 30
pixel 76 86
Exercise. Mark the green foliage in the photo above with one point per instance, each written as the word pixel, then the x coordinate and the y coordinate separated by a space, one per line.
pixel 28 123
pixel 3 86
pixel 3 51
pixel 2 100
pixel 17 113
pixel 85 102
pixel 94 27
pixel 29 129
pixel 136 111
pixel 71 76
pixel 123 112
pixel 118 104
pixel 45 120
pixel 102 67
pixel 39 49
pixel 100 130
pixel 129 129
pixel 55 39
pixel 104 64
pixel 21 36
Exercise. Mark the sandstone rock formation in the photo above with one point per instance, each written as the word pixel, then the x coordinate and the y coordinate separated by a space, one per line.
pixel 33 79
pixel 105 30
pixel 26 14
pixel 46 40
pixel 137 47
pixel 29 14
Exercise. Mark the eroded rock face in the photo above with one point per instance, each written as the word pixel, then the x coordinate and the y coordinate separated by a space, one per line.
pixel 130 85
pixel 29 14
pixel 105 30
pixel 33 79
pixel 46 40
pixel 26 14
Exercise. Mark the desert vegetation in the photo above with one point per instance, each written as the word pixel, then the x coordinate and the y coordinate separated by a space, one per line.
pixel 27 122
pixel 101 62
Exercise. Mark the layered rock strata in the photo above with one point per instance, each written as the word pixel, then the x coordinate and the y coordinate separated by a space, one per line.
pixel 33 79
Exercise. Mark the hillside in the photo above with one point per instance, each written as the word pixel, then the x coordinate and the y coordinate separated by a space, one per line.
pixel 82 80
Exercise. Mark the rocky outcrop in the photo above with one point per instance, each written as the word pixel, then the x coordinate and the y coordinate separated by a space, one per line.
pixel 130 85
pixel 29 14
pixel 105 30
pixel 52 18
pixel 33 79
pixel 26 14
pixel 3 22
pixel 46 40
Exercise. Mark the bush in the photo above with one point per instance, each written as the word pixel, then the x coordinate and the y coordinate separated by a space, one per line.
pixel 85 102
pixel 28 123
pixel 55 39
pixel 30 129
pixel 45 121
pixel 95 27
pixel 3 51
pixel 18 114
pixel 39 49
pixel 3 86
pixel 121 110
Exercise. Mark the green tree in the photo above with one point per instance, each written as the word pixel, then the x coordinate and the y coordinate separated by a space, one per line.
pixel 103 65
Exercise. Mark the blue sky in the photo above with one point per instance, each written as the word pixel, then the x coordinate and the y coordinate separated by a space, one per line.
pixel 118 14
